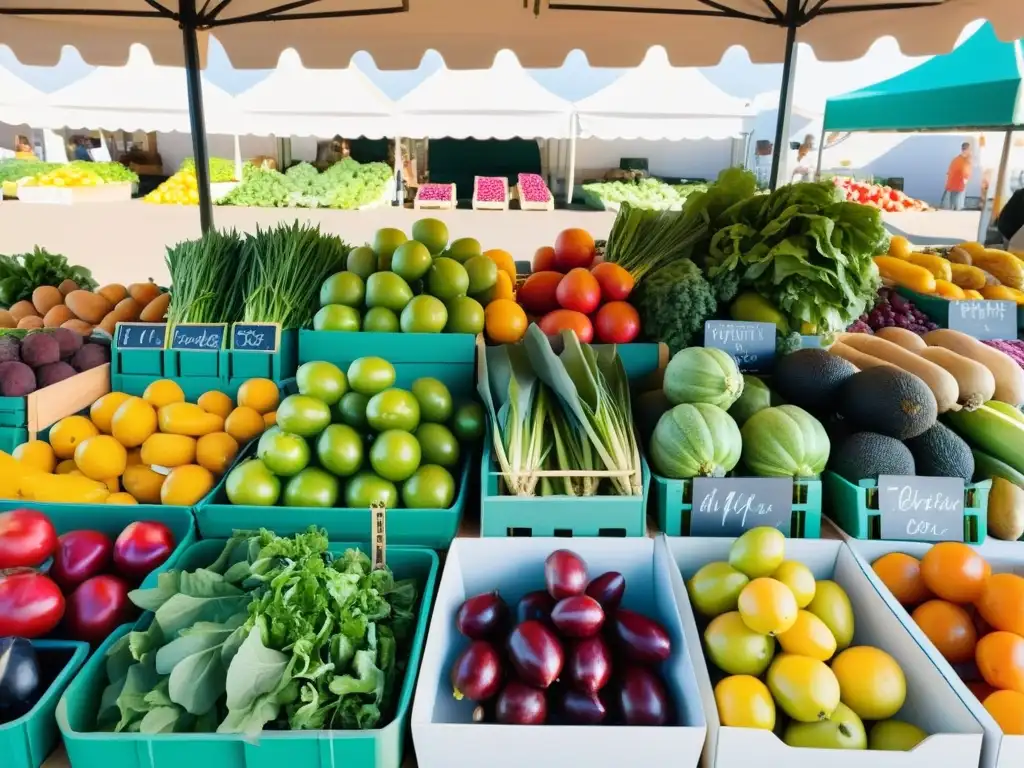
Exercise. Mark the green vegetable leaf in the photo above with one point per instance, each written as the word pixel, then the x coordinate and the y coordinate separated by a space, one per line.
pixel 197 681
pixel 161 720
pixel 255 670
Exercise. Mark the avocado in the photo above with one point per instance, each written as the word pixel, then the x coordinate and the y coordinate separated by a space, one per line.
pixel 811 378
pixel 866 455
pixel 941 452
pixel 888 401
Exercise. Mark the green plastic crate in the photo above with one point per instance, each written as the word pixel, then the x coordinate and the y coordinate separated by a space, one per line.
pixel 380 748
pixel 12 437
pixel 612 516
pixel 937 308
pixel 340 347
pixel 136 362
pixel 192 386
pixel 672 503
pixel 854 508
pixel 13 412
pixel 276 366
pixel 435 528
pixel 27 741
pixel 185 363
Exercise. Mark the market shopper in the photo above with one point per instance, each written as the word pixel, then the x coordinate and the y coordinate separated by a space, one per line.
pixel 957 176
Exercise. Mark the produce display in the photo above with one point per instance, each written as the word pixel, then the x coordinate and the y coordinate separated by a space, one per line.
pixel 422 285
pixel 561 436
pixel 569 655
pixel 893 311
pixel 783 641
pixel 569 291
pixel 879 196
pixel 67 176
pixel 21 274
pixel 81 310
pixel 346 185
pixel 643 193
pixel 490 189
pixel 21 678
pixel 42 358
pixel 15 169
pixel 278 634
pixel 436 193
pixel 351 438
pixel 182 188
pixel 83 593
pixel 222 169
pixel 74 174
pixel 970 614
pixel 533 188
pixel 154 449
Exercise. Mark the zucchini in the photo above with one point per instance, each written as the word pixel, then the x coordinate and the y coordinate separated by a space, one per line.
pixel 996 434
pixel 986 468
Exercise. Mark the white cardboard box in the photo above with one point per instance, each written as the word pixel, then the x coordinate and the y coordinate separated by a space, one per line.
pixel 998 750
pixel 104 193
pixel 955 740
pixel 442 729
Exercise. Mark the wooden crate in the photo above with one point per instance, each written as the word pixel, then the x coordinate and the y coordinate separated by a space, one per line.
pixel 528 205
pixel 436 205
pixel 45 407
pixel 481 205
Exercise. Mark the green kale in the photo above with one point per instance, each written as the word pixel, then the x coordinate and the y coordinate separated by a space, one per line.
pixel 674 302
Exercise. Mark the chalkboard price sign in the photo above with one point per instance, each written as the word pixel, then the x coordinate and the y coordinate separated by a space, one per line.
pixel 199 337
pixel 921 508
pixel 728 506
pixel 752 345
pixel 255 337
pixel 141 335
pixel 984 320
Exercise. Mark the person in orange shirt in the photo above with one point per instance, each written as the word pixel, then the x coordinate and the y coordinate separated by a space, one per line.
pixel 957 176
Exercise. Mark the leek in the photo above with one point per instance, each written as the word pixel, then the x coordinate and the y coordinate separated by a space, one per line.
pixel 643 240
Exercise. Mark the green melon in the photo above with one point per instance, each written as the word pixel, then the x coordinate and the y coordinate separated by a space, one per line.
pixel 703 375
pixel 785 441
pixel 695 440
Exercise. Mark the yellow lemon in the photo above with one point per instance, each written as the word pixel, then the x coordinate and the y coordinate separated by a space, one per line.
pixel 745 702
pixel 799 579
pixel 216 402
pixel 113 484
pixel 121 498
pixel 216 451
pixel 133 422
pixel 102 411
pixel 143 483
pixel 68 433
pixel 186 485
pixel 808 637
pixel 767 606
pixel 66 467
pixel 101 457
pixel 162 450
pixel 871 682
pixel 262 395
pixel 36 454
pixel 244 424
pixel 163 392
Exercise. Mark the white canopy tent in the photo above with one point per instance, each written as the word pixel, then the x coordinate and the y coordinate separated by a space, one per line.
pixel 20 103
pixel 296 101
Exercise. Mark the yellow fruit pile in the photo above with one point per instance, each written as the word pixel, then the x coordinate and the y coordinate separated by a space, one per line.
pixel 180 189
pixel 66 176
pixel 826 688
pixel 154 449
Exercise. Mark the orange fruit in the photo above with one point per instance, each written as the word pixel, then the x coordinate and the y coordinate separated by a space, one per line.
pixel 949 627
pixel 954 572
pixel 544 259
pixel 504 288
pixel 37 454
pixel 1000 659
pixel 101 457
pixel 902 575
pixel 270 419
pixel 163 392
pixel 67 433
pixel 504 262
pixel 1001 604
pixel 262 395
pixel 244 424
pixel 216 402
pixel 102 411
pixel 133 422
pixel 1007 709
pixel 216 451
pixel 504 321
pixel 186 485
pixel 121 498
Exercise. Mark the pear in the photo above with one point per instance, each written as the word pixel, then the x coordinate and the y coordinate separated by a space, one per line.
pixel 844 730
pixel 832 605
pixel 758 552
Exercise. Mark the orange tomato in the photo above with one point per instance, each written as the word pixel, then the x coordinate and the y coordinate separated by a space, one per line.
pixel 574 248
pixel 954 572
pixel 617 322
pixel 1000 659
pixel 537 294
pixel 1002 602
pixel 1007 709
pixel 616 283
pixel 504 321
pixel 949 627
pixel 902 575
pixel 544 259
pixel 553 323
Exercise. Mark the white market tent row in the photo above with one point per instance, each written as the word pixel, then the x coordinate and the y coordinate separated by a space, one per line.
pixel 20 103
pixel 296 101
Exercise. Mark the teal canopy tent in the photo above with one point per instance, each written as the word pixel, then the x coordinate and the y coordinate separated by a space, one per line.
pixel 976 86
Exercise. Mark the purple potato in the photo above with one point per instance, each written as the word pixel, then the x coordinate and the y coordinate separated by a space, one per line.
pixel 578 616
pixel 477 673
pixel 519 704
pixel 482 617
pixel 565 574
pixel 608 589
pixel 642 639
pixel 536 654
pixel 589 665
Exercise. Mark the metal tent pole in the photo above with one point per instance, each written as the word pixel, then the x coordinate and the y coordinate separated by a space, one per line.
pixel 781 143
pixel 197 116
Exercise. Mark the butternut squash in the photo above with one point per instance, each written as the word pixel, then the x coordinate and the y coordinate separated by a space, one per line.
pixel 861 360
pixel 905 274
pixel 948 290
pixel 967 276
pixel 1004 266
pixel 939 381
pixel 976 382
pixel 1008 375
pixel 903 337
pixel 1003 293
pixel 938 266
pixel 969 293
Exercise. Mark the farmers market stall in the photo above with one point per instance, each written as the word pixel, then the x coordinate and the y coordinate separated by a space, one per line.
pixel 20 103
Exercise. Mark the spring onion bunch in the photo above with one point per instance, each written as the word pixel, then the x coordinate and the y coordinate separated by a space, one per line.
pixel 204 276
pixel 644 240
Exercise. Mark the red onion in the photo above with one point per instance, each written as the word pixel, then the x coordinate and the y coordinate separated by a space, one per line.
pixel 533 189
pixel 441 192
pixel 490 189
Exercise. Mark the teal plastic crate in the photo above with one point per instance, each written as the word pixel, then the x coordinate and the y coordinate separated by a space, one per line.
pixel 12 437
pixel 435 528
pixel 379 748
pixel 136 362
pixel 613 516
pixel 27 741
pixel 185 363
pixel 192 386
pixel 276 366
pixel 937 308
pixel 13 412
pixel 854 508
pixel 672 506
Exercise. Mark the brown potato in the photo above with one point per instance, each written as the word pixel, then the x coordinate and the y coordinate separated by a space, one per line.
pixel 127 310
pixel 67 286
pixel 109 323
pixel 22 309
pixel 144 292
pixel 7 319
pixel 57 316
pixel 30 322
pixel 91 307
pixel 156 310
pixel 82 327
pixel 45 298
pixel 113 292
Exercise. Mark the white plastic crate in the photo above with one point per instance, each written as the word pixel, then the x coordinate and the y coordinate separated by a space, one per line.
pixel 103 193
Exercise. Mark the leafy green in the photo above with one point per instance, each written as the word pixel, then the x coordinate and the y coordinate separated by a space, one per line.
pixel 643 241
pixel 643 193
pixel 22 273
pixel 275 633
pixel 347 184
pixel 110 171
pixel 674 303
pixel 204 273
pixel 17 168
pixel 221 169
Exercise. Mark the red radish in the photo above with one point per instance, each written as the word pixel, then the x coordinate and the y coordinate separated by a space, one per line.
pixel 436 192
pixel 80 555
pixel 617 322
pixel 141 547
pixel 579 291
pixel 616 283
pixel 31 604
pixel 27 538
pixel 574 248
pixel 537 293
pixel 544 260
pixel 490 189
pixel 553 323
pixel 565 574
pixel 98 607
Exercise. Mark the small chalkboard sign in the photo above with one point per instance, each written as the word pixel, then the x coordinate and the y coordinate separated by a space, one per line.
pixel 921 508
pixel 199 337
pixel 752 345
pixel 810 342
pixel 728 506
pixel 141 335
pixel 255 337
pixel 984 320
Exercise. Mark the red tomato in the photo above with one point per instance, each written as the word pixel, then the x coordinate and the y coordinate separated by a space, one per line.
pixel 574 248
pixel 560 320
pixel 617 322
pixel 616 283
pixel 579 291
pixel 80 555
pixel 544 259
pixel 31 605
pixel 141 547
pixel 98 607
pixel 27 538
pixel 537 294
